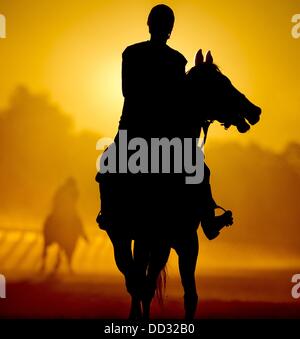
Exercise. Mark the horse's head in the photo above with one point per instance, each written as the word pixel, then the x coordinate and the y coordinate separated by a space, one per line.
pixel 217 99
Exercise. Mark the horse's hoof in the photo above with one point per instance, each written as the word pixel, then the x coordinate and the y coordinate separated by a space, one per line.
pixel 135 310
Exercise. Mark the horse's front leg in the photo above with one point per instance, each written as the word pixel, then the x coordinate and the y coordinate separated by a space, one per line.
pixel 135 308
pixel 125 263
pixel 187 250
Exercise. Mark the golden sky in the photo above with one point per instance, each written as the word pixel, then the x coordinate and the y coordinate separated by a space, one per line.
pixel 72 50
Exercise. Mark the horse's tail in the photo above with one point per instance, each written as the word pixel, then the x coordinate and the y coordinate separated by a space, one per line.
pixel 161 284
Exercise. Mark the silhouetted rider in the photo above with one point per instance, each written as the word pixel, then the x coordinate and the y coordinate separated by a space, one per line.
pixel 152 78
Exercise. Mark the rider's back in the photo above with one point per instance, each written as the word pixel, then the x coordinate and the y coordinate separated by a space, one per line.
pixel 152 81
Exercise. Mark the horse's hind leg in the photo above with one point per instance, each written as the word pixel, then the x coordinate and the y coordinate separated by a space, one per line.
pixel 58 261
pixel 43 259
pixel 69 256
pixel 141 254
pixel 187 250
pixel 159 256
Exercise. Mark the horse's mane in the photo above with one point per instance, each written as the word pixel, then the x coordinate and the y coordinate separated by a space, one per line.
pixel 207 66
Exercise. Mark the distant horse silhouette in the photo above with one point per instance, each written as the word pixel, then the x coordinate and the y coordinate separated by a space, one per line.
pixel 63 226
pixel 210 96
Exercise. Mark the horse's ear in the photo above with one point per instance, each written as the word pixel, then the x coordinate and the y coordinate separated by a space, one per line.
pixel 199 59
pixel 209 59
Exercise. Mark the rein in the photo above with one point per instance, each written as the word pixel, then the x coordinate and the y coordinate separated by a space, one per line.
pixel 205 128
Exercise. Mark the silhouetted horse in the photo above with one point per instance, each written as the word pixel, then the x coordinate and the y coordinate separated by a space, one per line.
pixel 213 94
pixel 210 96
pixel 176 207
pixel 63 226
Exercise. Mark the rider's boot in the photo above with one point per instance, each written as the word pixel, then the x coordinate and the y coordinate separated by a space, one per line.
pixel 212 225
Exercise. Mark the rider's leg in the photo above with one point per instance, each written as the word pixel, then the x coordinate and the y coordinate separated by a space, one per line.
pixel 211 224
pixel 187 249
